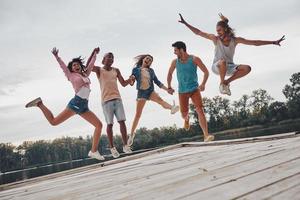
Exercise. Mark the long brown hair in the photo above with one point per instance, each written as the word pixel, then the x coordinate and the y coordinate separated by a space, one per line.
pixel 228 30
pixel 139 59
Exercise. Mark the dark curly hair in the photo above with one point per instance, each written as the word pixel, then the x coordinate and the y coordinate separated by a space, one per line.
pixel 79 60
pixel 139 59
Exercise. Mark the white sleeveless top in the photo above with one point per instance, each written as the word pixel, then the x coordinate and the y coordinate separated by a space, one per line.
pixel 224 52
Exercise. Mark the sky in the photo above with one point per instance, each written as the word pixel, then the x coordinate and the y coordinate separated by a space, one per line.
pixel 31 28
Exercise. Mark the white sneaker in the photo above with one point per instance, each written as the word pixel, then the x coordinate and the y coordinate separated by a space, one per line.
pixel 114 152
pixel 130 139
pixel 34 102
pixel 227 90
pixel 96 155
pixel 222 88
pixel 209 138
pixel 127 149
pixel 174 108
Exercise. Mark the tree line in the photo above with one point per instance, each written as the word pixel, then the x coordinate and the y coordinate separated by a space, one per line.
pixel 253 109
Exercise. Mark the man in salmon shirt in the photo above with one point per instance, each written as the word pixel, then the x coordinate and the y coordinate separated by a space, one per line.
pixel 112 105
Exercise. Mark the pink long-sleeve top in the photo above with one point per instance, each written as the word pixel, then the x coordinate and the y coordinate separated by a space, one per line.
pixel 78 80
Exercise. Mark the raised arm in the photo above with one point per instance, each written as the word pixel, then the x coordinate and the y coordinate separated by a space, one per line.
pixel 123 82
pixel 61 63
pixel 258 42
pixel 170 76
pixel 197 31
pixel 197 61
pixel 91 61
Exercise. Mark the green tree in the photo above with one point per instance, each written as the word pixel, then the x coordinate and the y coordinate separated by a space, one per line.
pixel 9 159
pixel 292 93
pixel 260 100
pixel 278 111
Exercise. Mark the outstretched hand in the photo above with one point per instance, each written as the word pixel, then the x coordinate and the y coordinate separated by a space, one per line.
pixel 277 42
pixel 97 50
pixel 55 51
pixel 181 19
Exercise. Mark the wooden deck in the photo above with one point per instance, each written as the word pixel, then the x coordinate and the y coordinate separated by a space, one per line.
pixel 256 168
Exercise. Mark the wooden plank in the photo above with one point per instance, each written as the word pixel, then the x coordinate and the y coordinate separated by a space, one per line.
pixel 275 189
pixel 134 178
pixel 95 166
pixel 292 193
pixel 195 181
pixel 243 185
pixel 112 173
pixel 143 184
pixel 243 140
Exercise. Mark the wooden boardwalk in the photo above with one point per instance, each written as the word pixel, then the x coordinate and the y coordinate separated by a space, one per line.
pixel 261 168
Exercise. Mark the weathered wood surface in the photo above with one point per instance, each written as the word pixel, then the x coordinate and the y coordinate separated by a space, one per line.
pixel 261 168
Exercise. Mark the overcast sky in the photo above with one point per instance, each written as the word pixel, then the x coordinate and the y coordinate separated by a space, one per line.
pixel 29 30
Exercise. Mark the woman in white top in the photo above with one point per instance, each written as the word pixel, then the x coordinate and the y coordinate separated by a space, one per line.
pixel 225 42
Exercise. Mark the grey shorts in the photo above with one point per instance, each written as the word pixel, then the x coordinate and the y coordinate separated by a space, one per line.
pixel 231 68
pixel 113 108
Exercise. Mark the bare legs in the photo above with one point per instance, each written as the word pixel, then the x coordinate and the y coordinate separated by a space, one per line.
pixel 63 116
pixel 109 131
pixel 242 70
pixel 139 109
pixel 123 130
pixel 93 119
pixel 67 113
pixel 222 70
pixel 140 106
pixel 184 109
pixel 156 98
pixel 197 101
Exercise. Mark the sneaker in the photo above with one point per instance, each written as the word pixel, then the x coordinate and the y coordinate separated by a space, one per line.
pixel 186 125
pixel 227 90
pixel 34 102
pixel 127 149
pixel 222 88
pixel 209 138
pixel 130 139
pixel 174 108
pixel 114 152
pixel 96 155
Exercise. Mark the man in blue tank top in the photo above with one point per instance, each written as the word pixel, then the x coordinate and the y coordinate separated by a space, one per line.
pixel 188 87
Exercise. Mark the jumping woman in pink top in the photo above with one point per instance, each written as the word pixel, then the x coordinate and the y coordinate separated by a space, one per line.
pixel 78 75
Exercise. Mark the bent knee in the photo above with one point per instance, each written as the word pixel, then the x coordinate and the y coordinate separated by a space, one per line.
pixel 54 122
pixel 98 125
pixel 245 68
pixel 248 68
pixel 222 62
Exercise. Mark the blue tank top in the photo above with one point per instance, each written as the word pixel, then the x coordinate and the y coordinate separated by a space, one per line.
pixel 187 76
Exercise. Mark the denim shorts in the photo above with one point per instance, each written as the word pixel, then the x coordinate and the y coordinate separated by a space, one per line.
pixel 231 68
pixel 144 94
pixel 78 105
pixel 113 108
